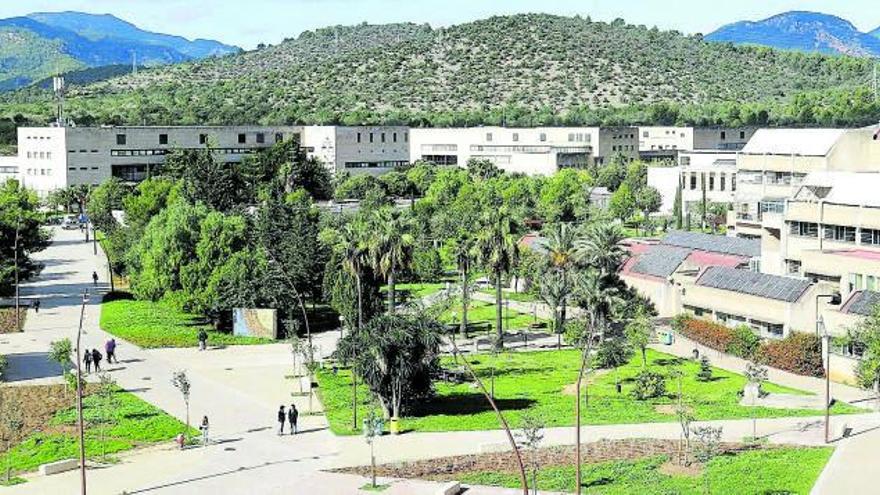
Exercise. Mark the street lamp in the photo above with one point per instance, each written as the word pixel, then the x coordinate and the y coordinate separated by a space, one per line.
pixel 822 331
pixel 79 396
pixel 341 325
pixel 558 325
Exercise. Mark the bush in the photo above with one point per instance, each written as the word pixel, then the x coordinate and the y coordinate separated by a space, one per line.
pixel 799 353
pixel 705 373
pixel 427 265
pixel 709 334
pixel 745 343
pixel 649 384
pixel 612 353
pixel 3 364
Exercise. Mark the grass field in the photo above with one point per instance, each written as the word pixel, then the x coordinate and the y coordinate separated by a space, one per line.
pixel 535 382
pixel 483 313
pixel 777 471
pixel 133 423
pixel 156 324
pixel 524 297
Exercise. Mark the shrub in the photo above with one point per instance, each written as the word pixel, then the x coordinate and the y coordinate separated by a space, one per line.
pixel 799 353
pixel 649 384
pixel 427 265
pixel 3 364
pixel 705 373
pixel 709 334
pixel 745 343
pixel 612 353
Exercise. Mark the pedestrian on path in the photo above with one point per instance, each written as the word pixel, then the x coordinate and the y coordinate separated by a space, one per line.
pixel 87 359
pixel 96 359
pixel 204 428
pixel 36 305
pixel 95 278
pixel 110 349
pixel 292 416
pixel 281 419
pixel 203 339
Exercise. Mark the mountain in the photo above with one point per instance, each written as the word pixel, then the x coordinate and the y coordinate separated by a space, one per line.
pixel 529 69
pixel 43 44
pixel 802 31
pixel 875 32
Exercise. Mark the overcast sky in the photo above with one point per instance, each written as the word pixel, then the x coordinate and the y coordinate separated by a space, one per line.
pixel 248 22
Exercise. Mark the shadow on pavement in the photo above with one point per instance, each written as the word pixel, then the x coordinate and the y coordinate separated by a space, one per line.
pixel 30 366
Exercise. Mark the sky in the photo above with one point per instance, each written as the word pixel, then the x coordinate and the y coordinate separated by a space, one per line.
pixel 248 22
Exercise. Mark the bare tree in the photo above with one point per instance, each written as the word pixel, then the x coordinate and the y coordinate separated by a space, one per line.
pixel 106 394
pixel 531 434
pixel 181 382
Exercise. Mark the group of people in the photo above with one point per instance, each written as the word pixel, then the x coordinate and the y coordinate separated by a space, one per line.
pixel 93 358
pixel 291 416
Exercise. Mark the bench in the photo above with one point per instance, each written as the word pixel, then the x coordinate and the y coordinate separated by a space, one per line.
pixel 59 466
pixel 451 488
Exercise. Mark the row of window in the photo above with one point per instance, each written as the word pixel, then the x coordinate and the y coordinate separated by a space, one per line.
pixel 39 171
pixel 441 159
pixel 162 152
pixel 382 137
pixel 82 151
pixel 771 178
pixel 858 281
pixel 667 132
pixel 8 170
pixel 382 164
pixel 623 147
pixel 41 155
pixel 710 179
pixel 762 328
pixel 837 233
pixel 81 168
pixel 260 138
pixel 38 137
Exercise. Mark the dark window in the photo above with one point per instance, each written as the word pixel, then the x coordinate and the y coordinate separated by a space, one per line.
pixel 371 137
pixel 203 139
pixel 163 138
pixel 242 138
pixel 405 137
pixel 359 137
pixel 742 134
pixel 261 138
pixel 120 139
pixel 394 137
pixel 279 137
pixel 383 137
pixel 723 135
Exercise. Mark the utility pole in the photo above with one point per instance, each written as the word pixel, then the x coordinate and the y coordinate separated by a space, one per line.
pixel 79 396
pixel 58 87
pixel 17 294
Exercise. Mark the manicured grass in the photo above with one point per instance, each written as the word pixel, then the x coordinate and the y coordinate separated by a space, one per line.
pixel 378 488
pixel 524 297
pixel 157 324
pixel 134 423
pixel 778 470
pixel 482 313
pixel 534 382
pixel 418 290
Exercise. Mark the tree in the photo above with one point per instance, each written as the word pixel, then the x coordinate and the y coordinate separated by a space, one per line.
pixel 756 375
pixel 390 246
pixel 59 352
pixel 107 405
pixel 562 254
pixel 395 355
pixel 554 290
pixel 498 253
pixel 677 207
pixel 705 372
pixel 639 332
pixel 182 384
pixel 427 265
pixel 866 335
pixel 531 435
pixel 483 169
pixel 221 186
pixel 463 248
pixel 12 419
pixel 103 200
pixel 599 247
pixel 21 235
pixel 622 203
pixel 648 200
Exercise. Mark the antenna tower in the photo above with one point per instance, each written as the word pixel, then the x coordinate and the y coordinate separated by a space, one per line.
pixel 58 88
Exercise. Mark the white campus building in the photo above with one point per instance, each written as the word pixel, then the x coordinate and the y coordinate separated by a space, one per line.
pixel 51 158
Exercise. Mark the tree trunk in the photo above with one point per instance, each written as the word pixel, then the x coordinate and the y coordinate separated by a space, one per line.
pixel 464 300
pixel 499 341
pixel 360 320
pixel 584 360
pixel 391 292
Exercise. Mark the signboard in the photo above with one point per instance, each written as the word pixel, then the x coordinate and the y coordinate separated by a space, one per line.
pixel 255 322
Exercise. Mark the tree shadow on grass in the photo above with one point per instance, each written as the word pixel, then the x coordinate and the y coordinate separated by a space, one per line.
pixel 466 404
pixel 669 361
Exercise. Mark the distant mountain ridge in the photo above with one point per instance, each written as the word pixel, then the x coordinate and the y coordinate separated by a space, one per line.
pixel 802 31
pixel 39 45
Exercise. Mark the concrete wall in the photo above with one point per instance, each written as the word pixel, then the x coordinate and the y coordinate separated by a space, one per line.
pixel 666 138
pixel 42 159
pixel 722 138
pixel 665 180
pixel 371 149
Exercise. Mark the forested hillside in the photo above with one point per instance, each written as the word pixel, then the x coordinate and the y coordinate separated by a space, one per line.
pixel 518 70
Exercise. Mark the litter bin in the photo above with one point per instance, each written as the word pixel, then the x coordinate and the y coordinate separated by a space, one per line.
pixel 394 425
pixel 666 338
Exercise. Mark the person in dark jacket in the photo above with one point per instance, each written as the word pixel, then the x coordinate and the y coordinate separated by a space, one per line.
pixel 292 416
pixel 281 419
pixel 110 350
pixel 203 339
pixel 87 359
pixel 96 359
pixel 36 305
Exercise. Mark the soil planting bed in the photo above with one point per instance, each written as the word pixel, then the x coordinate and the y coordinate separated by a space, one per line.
pixel 37 404
pixel 7 319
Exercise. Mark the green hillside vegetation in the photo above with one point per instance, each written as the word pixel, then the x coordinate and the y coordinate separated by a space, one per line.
pixel 532 69
pixel 25 56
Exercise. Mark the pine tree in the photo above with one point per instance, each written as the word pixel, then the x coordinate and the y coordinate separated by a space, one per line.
pixel 676 207
pixel 705 373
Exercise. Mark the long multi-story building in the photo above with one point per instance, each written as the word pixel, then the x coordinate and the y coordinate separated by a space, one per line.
pixel 533 151
pixel 52 158
pixel 658 143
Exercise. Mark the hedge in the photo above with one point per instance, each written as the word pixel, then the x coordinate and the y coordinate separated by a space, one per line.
pixel 709 334
pixel 799 353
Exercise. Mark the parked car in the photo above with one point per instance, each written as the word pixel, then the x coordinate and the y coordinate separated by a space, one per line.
pixel 70 223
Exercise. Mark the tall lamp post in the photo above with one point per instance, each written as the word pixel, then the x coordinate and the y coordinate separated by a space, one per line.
pixel 822 331
pixel 79 396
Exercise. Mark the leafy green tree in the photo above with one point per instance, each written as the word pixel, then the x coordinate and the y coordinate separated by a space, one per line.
pixel 351 255
pixel 483 169
pixel 103 200
pixel 638 333
pixel 464 251
pixel 359 187
pixel 221 186
pixel 427 265
pixel 390 246
pixel 866 336
pixel 622 204
pixel 676 208
pixel 498 253
pixel 564 195
pixel 21 235
pixel 647 201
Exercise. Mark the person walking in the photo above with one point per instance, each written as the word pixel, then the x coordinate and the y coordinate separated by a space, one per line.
pixel 110 350
pixel 203 339
pixel 292 416
pixel 204 428
pixel 36 305
pixel 281 419
pixel 95 278
pixel 87 359
pixel 96 359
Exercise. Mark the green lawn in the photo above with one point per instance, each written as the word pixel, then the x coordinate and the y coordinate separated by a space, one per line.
pixel 417 290
pixel 482 313
pixel 779 470
pixel 534 381
pixel 134 423
pixel 157 324
pixel 524 297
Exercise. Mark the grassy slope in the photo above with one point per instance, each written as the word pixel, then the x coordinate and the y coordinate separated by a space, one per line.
pixel 534 382
pixel 134 423
pixel 151 324
pixel 783 470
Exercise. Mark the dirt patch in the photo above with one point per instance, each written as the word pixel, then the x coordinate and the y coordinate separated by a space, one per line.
pixel 447 468
pixel 7 319
pixel 591 378
pixel 670 409
pixel 36 404
pixel 674 469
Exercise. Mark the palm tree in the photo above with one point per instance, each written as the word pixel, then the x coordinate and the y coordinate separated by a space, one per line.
pixel 390 246
pixel 597 302
pixel 353 249
pixel 463 250
pixel 554 290
pixel 498 252
pixel 600 248
pixel 562 255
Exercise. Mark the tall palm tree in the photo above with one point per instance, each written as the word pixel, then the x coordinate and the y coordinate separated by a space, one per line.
pixel 597 301
pixel 554 290
pixel 354 252
pixel 463 250
pixel 390 246
pixel 599 247
pixel 562 255
pixel 498 252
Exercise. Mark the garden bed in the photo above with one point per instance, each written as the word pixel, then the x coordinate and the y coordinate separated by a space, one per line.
pixel 7 319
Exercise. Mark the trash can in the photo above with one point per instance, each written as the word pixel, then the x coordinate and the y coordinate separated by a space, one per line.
pixel 667 338
pixel 394 425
